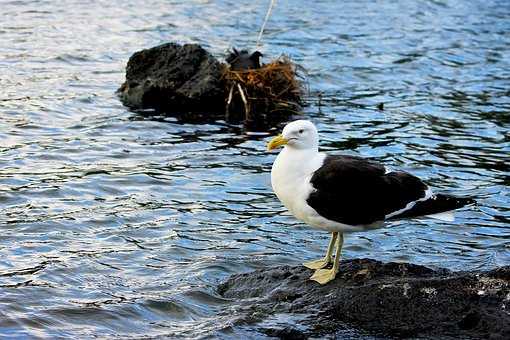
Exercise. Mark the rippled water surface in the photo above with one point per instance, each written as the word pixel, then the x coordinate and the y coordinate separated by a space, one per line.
pixel 113 224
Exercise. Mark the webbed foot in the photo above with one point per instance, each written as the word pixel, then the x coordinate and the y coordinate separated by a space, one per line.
pixel 317 264
pixel 323 276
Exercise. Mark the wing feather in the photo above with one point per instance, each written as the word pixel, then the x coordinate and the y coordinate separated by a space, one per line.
pixel 356 191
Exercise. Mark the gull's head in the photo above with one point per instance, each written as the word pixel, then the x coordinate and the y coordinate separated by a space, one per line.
pixel 300 134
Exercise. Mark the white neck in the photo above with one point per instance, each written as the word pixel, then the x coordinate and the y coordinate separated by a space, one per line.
pixel 295 160
pixel 290 169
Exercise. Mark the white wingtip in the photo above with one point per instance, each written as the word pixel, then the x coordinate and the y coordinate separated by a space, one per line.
pixel 446 216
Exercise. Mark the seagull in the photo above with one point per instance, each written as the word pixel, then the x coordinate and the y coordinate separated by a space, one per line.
pixel 343 193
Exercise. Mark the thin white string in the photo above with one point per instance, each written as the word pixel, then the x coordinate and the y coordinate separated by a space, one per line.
pixel 268 14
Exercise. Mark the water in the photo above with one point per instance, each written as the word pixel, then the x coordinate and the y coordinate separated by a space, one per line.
pixel 114 224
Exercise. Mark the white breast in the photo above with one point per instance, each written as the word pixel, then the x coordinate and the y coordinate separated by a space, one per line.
pixel 290 178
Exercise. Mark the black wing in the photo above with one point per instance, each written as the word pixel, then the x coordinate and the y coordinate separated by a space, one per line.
pixel 357 191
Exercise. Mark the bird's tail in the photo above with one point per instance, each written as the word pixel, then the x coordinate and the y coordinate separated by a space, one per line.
pixel 437 206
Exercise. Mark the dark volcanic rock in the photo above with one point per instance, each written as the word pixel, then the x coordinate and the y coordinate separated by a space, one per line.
pixel 174 79
pixel 386 299
pixel 188 83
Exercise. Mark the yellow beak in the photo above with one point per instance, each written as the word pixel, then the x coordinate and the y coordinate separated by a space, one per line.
pixel 276 142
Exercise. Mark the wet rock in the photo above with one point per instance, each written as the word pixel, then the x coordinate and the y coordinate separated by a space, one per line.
pixel 287 333
pixel 188 83
pixel 385 299
pixel 171 78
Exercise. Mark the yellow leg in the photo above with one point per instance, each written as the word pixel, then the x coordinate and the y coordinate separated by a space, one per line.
pixel 323 276
pixel 323 263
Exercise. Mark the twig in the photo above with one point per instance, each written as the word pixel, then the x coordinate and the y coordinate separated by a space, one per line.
pixel 230 93
pixel 268 14
pixel 243 97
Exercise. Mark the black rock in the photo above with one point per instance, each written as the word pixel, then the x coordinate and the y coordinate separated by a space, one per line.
pixel 384 299
pixel 171 78
pixel 287 333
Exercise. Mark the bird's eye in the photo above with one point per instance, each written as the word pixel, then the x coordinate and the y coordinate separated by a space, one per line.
pixel 301 131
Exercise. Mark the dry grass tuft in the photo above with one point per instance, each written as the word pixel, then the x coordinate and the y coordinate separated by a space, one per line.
pixel 273 87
